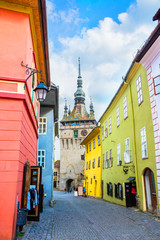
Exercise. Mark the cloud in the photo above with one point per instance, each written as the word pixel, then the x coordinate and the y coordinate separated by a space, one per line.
pixel 106 52
pixel 71 16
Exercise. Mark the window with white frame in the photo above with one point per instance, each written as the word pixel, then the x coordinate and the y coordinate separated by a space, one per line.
pixel 42 125
pixel 94 143
pixel 103 160
pixel 41 158
pixel 93 165
pixel 89 164
pixel 127 153
pixel 106 133
pixel 125 112
pixel 102 132
pixel 118 153
pixel 87 148
pixel 99 140
pixel 86 165
pixel 90 146
pixel 144 143
pixel 139 90
pixel 110 130
pixel 117 113
pixel 107 160
pixel 99 161
pixel 156 81
pixel 110 158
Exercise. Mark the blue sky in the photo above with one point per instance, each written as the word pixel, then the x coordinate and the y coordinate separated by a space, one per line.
pixel 106 35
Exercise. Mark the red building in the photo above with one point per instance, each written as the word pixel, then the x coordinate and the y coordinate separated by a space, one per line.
pixel 23 34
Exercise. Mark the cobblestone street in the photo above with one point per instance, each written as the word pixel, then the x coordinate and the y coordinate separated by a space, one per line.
pixel 78 218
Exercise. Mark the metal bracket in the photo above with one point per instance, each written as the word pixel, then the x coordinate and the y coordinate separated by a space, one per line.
pixel 29 71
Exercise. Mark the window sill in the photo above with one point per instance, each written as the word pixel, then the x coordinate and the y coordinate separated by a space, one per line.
pixel 144 158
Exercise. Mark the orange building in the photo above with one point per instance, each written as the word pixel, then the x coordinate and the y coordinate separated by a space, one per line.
pixel 23 32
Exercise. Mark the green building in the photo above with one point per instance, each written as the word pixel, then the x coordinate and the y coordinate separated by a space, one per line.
pixel 127 141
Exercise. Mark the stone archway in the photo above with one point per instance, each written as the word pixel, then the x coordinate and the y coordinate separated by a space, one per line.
pixel 150 190
pixel 69 183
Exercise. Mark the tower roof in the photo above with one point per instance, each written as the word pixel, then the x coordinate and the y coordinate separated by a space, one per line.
pixel 79 111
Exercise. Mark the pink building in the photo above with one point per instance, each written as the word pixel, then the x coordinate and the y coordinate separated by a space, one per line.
pixel 149 57
pixel 23 38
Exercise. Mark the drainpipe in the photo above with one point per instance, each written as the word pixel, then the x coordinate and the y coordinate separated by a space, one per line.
pixel 134 142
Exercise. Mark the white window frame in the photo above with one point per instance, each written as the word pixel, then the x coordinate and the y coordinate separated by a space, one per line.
pixel 90 146
pixel 106 131
pixel 102 132
pixel 103 159
pixel 99 142
pixel 42 125
pixel 93 143
pixel 93 163
pixel 110 127
pixel 139 90
pixel 89 164
pixel 125 110
pixel 127 153
pixel 118 153
pixel 117 114
pixel 107 163
pixel 144 143
pixel 39 157
pixel 86 165
pixel 99 161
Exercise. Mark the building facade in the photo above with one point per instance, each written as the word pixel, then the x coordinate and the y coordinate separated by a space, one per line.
pixel 149 57
pixel 92 170
pixel 48 130
pixel 56 174
pixel 23 38
pixel 128 153
pixel 74 127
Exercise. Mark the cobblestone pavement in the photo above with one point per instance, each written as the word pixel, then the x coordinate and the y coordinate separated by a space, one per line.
pixel 78 218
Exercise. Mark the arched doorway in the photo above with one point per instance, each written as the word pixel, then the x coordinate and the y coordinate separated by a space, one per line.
pixel 69 183
pixel 150 190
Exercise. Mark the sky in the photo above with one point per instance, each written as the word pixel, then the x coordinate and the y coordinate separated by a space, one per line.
pixel 106 35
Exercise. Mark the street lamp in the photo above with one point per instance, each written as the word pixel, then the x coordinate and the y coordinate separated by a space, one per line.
pixel 41 90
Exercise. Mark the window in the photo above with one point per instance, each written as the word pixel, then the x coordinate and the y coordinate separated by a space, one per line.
pixel 103 159
pixel 83 157
pixel 118 190
pixel 144 143
pixel 127 153
pixel 86 165
pixel 156 81
pixel 106 133
pixel 89 146
pixel 109 189
pixel 93 143
pixel 118 153
pixel 107 163
pixel 139 90
pixel 110 159
pixel 93 165
pixel 55 174
pixel 117 113
pixel 98 140
pixel 75 133
pixel 125 107
pixel 102 132
pixel 67 143
pixel 63 143
pixel 110 125
pixel 42 125
pixel 41 158
pixel 89 164
pixel 91 180
pixel 99 161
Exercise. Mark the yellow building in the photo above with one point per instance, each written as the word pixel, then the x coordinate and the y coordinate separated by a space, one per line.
pixel 92 171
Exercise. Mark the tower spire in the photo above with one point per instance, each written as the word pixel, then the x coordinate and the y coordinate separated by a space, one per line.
pixel 91 115
pixel 65 109
pixel 79 95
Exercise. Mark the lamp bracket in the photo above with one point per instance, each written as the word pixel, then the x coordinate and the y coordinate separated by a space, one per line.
pixel 29 71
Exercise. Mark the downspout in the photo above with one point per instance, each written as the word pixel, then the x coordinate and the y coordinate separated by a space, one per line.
pixel 134 143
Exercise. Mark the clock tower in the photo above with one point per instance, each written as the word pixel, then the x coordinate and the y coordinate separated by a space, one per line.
pixel 75 126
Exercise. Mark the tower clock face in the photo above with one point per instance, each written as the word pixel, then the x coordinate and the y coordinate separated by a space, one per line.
pixel 84 132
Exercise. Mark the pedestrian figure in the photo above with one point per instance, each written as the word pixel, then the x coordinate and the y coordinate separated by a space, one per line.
pixel 70 189
pixel 65 190
pixel 84 192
